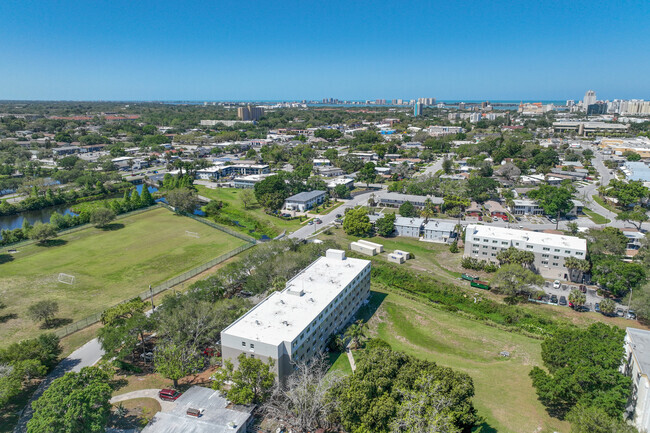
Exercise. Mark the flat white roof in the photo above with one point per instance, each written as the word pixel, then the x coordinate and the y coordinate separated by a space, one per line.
pixel 284 315
pixel 539 238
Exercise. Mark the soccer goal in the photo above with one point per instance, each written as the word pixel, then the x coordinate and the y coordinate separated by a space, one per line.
pixel 192 234
pixel 66 278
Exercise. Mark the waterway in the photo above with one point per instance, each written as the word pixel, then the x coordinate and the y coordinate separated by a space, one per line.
pixel 10 222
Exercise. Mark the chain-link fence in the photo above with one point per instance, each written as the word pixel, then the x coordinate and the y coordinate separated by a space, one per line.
pixel 85 322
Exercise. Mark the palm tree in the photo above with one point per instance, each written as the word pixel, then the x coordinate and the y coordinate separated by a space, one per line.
pixel 576 267
pixel 577 298
pixel 356 332
pixel 428 211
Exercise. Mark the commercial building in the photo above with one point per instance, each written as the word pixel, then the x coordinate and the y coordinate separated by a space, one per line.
pixel 586 128
pixel 637 366
pixel 250 113
pixel 217 414
pixel 526 207
pixel 305 200
pixel 550 250
pixel 295 324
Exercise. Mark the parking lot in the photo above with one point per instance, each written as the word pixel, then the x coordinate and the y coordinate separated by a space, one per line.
pixel 565 288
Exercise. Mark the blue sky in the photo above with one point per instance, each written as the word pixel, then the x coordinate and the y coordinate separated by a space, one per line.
pixel 224 50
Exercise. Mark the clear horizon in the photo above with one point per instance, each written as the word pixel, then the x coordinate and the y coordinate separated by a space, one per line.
pixel 228 50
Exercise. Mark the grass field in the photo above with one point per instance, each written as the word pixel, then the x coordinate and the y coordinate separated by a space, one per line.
pixel 109 266
pixel 598 199
pixel 249 219
pixel 504 394
pixel 596 217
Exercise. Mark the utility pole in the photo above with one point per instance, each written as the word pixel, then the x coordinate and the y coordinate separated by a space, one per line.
pixel 151 292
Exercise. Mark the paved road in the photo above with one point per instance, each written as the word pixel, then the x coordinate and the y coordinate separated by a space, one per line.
pixel 432 169
pixel 586 192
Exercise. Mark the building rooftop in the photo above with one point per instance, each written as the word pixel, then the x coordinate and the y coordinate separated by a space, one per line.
pixel 527 236
pixel 282 316
pixel 409 222
pixel 217 416
pixel 306 195
pixel 440 226
pixel 640 342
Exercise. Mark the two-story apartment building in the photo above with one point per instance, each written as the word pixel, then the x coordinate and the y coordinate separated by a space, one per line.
pixel 296 323
pixel 305 200
pixel 409 227
pixel 550 250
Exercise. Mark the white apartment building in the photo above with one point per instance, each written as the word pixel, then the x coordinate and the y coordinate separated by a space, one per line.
pixel 485 242
pixel 637 366
pixel 296 323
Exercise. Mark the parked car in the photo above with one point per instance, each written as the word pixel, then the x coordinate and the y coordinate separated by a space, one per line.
pixel 553 299
pixel 556 284
pixel 631 315
pixel 553 220
pixel 168 394
pixel 597 307
pixel 310 222
pixel 338 215
pixel 338 220
pixel 318 221
pixel 562 300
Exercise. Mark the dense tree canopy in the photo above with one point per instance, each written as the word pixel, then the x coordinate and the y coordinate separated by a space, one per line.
pixel 553 199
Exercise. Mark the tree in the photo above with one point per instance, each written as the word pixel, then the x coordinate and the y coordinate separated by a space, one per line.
pixel 42 232
pixel 577 268
pixel 367 174
pixel 356 332
pixel 304 403
pixel 74 403
pixel 250 382
pixel 481 188
pixel 146 199
pixel 447 165
pixel 175 361
pixel 512 279
pixel 43 311
pixel 577 298
pixel 247 198
pixel 516 256
pixel 385 225
pixel 45 349
pixel 356 222
pixel 388 385
pixel 328 134
pixel 616 276
pixel 582 368
pixel 607 306
pixel 590 419
pixel 429 209
pixel 555 200
pixel 608 240
pixel 407 210
pixel 183 200
pixel 341 191
pixel 572 228
pixel 101 216
pixel 213 207
pixel 636 216
pixel 271 192
pixel 124 327
pixel 627 193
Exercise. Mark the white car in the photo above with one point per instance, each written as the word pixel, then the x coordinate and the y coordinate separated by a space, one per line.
pixel 556 284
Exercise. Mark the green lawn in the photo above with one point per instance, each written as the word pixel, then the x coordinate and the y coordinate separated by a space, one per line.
pixel 504 393
pixel 340 362
pixel 598 199
pixel 109 266
pixel 596 217
pixel 249 219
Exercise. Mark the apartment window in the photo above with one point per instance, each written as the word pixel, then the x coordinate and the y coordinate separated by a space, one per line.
pixel 485 240
pixel 578 253
pixel 493 254
pixel 557 250
pixel 544 262
pixel 504 243
pixel 252 355
pixel 517 243
pixel 494 248
pixel 567 252
pixel 485 254
pixel 530 247
pixel 485 246
pixel 556 257
pixel 544 255
pixel 252 346
pixel 495 242
pixel 243 343
pixel 555 264
pixel 546 249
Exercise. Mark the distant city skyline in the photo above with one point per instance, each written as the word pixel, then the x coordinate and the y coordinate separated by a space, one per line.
pixel 229 50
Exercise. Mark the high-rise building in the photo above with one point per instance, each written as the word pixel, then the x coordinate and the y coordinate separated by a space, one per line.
pixel 250 113
pixel 427 101
pixel 417 109
pixel 590 98
pixel 570 103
